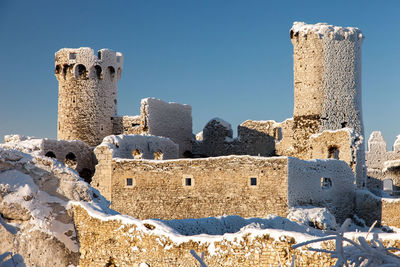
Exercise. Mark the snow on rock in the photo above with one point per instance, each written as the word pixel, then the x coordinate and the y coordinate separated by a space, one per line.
pixel 27 144
pixel 35 222
pixel 319 218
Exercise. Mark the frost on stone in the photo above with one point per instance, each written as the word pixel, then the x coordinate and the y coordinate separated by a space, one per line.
pixel 376 143
pixel 323 29
pixel 126 146
pixel 315 217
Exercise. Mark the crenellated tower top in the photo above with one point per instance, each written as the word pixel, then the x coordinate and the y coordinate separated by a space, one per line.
pixel 323 30
pixel 83 63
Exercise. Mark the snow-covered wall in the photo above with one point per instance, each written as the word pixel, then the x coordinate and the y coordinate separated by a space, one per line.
pixel 382 164
pixel 126 241
pixel 125 146
pixel 170 120
pixel 128 147
pixel 326 183
pixel 87 96
pixel 76 154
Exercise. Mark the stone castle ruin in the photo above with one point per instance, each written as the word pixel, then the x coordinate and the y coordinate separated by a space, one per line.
pixel 152 166
pixel 134 169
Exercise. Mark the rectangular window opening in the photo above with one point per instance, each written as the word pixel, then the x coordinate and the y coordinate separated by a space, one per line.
pixel 253 181
pixel 72 55
pixel 188 181
pixel 129 181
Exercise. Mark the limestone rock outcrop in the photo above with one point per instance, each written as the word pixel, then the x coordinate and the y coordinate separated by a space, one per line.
pixel 36 223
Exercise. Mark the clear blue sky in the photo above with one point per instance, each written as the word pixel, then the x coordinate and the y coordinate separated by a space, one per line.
pixel 226 58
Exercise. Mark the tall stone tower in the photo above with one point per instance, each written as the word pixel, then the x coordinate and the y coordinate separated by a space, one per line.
pixel 327 81
pixel 87 98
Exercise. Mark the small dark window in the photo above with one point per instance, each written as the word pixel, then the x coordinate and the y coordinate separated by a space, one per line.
pixel 137 154
pixel 50 154
pixel 111 72
pixel 58 69
pixel 70 160
pixel 98 71
pixel 188 181
pixel 66 67
pixel 333 152
pixel 80 71
pixel 158 155
pixel 129 182
pixel 101 128
pixel 99 54
pixel 253 181
pixel 326 183
pixel 72 55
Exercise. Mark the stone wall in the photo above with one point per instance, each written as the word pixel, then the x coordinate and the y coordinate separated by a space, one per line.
pixel 127 125
pixel 171 120
pixel 218 186
pixel 384 210
pixel 128 147
pixel 255 138
pixel 101 179
pixel 322 183
pixel 247 186
pixel 87 96
pixel 129 242
pixel 382 164
pixel 126 241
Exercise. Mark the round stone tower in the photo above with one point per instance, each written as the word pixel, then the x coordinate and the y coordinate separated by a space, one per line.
pixel 87 96
pixel 327 75
pixel 327 83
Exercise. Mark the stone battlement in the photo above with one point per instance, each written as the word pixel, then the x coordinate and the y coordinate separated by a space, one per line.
pixel 83 63
pixel 323 30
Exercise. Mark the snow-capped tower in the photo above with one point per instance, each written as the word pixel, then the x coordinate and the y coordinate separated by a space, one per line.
pixel 87 98
pixel 327 80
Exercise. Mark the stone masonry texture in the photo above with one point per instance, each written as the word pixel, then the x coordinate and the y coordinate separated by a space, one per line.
pixel 87 98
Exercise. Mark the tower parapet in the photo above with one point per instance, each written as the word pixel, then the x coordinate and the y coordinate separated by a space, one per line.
pixel 327 82
pixel 88 89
